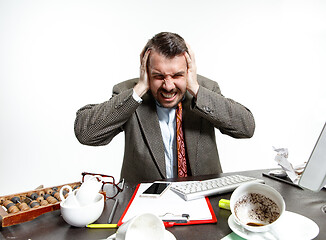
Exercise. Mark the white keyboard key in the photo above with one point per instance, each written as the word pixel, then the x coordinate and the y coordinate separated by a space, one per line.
pixel 198 189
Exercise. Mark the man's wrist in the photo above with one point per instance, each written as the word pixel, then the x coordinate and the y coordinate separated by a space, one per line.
pixel 136 96
pixel 140 89
pixel 194 90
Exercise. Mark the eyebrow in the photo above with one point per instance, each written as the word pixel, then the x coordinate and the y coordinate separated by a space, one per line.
pixel 156 73
pixel 179 73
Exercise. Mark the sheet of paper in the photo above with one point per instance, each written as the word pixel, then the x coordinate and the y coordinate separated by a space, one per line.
pixel 232 236
pixel 282 159
pixel 168 203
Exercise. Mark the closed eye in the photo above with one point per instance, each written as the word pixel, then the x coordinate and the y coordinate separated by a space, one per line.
pixel 158 76
pixel 179 75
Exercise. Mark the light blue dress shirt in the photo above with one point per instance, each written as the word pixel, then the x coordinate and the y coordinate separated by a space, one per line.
pixel 167 118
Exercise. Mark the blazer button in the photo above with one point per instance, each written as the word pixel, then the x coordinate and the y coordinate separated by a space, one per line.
pixel 207 109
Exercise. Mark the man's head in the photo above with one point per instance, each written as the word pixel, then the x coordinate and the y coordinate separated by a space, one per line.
pixel 167 68
pixel 166 43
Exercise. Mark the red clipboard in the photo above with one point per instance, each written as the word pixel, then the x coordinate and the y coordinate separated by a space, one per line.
pixel 170 224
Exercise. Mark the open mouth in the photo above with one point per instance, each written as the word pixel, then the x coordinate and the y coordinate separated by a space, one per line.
pixel 168 95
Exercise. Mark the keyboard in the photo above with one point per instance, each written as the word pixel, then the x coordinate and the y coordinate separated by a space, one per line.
pixel 198 189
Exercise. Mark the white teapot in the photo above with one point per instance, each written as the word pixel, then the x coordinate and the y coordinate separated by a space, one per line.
pixel 89 190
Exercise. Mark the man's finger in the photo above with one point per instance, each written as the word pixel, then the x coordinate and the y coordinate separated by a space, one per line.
pixel 145 59
pixel 188 59
pixel 191 53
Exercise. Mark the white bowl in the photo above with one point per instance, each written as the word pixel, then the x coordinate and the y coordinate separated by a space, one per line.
pixel 80 216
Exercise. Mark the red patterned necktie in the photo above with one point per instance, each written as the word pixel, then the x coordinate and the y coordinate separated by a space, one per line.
pixel 182 164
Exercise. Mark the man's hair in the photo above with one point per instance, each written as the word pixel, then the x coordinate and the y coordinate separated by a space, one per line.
pixel 168 44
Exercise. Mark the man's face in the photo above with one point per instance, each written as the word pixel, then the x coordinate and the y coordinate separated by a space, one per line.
pixel 167 78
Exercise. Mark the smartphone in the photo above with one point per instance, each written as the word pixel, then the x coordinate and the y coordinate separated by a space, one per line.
pixel 156 189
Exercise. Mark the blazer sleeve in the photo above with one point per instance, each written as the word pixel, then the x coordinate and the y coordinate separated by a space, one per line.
pixel 227 115
pixel 98 124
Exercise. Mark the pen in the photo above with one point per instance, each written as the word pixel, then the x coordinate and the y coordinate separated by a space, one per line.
pixel 282 180
pixel 113 210
pixel 102 225
pixel 172 219
pixel 175 220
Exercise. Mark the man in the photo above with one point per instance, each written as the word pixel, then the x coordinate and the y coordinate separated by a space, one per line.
pixel 145 109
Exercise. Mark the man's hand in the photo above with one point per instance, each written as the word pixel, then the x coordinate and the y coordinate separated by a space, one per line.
pixel 143 85
pixel 192 83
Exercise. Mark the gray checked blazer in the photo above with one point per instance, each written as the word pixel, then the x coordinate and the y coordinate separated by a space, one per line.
pixel 98 124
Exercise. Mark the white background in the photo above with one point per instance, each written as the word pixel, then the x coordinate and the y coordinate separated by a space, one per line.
pixel 57 56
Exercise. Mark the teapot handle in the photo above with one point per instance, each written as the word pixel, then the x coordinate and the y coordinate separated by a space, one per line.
pixel 61 191
pixel 97 177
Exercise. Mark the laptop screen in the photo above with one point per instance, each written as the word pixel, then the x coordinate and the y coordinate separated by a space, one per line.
pixel 314 174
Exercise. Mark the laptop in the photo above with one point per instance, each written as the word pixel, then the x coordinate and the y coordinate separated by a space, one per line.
pixel 314 174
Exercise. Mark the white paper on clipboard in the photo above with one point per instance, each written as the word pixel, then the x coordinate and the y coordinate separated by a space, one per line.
pixel 168 203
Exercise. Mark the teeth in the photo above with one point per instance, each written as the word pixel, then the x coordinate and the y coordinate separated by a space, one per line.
pixel 168 95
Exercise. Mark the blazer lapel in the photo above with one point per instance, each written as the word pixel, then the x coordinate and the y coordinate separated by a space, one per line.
pixel 191 126
pixel 149 124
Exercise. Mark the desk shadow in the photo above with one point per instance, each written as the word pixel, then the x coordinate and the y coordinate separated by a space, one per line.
pixel 73 233
pixel 224 214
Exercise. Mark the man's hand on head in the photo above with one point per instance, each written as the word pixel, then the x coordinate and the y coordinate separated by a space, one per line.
pixel 192 83
pixel 143 85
